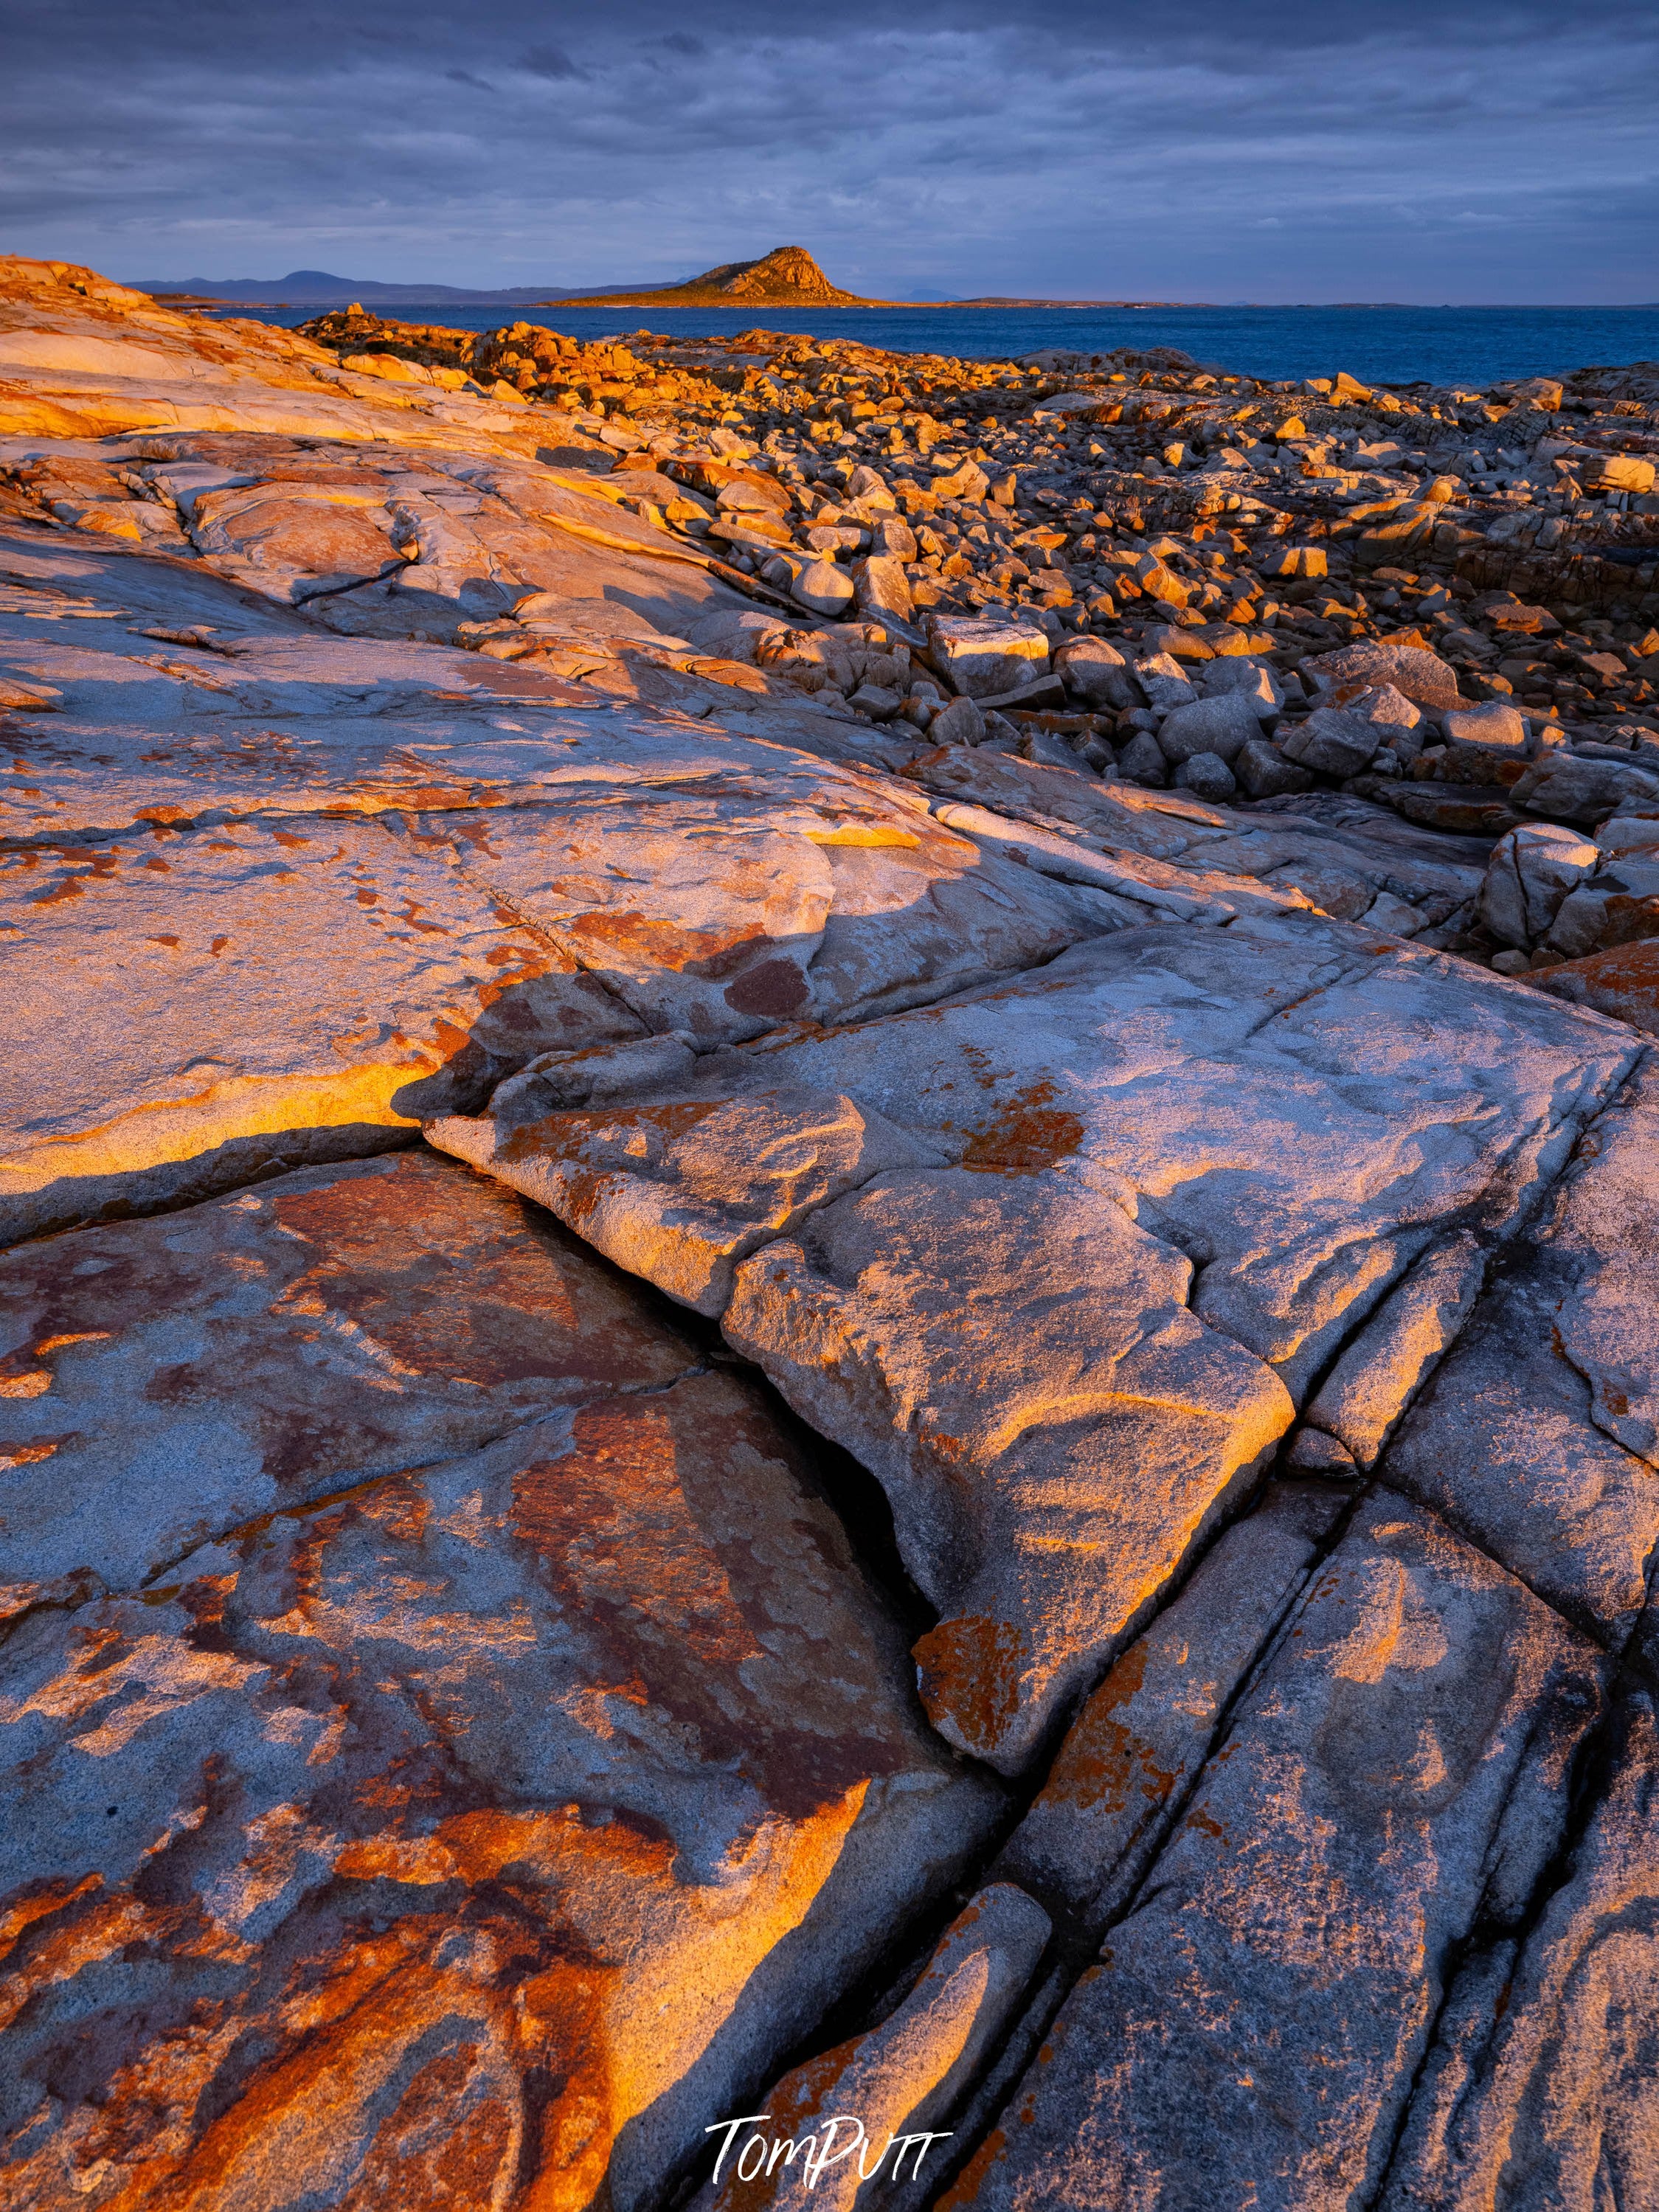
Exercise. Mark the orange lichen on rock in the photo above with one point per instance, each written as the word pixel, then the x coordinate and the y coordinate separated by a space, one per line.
pixel 526 1765
pixel 968 1673
pixel 1103 1763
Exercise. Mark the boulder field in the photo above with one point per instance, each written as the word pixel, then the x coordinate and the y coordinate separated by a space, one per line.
pixel 829 1308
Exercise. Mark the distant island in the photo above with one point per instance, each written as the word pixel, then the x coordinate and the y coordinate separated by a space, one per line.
pixel 787 276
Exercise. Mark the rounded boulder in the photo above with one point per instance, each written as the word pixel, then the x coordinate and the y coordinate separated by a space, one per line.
pixel 1221 725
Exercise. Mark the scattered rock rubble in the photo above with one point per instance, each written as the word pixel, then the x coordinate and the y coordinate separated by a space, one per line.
pixel 1166 547
pixel 830 1277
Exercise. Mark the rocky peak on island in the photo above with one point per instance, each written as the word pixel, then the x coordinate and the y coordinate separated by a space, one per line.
pixel 787 276
pixel 787 272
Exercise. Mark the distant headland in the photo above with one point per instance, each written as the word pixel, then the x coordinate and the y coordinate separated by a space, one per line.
pixel 787 276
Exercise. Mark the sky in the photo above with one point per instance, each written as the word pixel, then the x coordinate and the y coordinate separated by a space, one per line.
pixel 1270 150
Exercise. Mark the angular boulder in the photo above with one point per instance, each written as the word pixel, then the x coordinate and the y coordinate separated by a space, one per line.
pixel 1568 788
pixel 1096 673
pixel 1531 871
pixel 1242 675
pixel 1332 741
pixel 984 659
pixel 1493 727
pixel 1421 675
pixel 823 588
pixel 1263 771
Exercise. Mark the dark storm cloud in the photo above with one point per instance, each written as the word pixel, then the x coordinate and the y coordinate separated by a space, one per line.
pixel 550 62
pixel 1279 150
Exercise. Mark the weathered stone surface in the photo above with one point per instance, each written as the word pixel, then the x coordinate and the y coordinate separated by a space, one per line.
pixel 1159 824
pixel 1539 2092
pixel 1013 1341
pixel 1053 1426
pixel 1381 1371
pixel 165 1380
pixel 188 1010
pixel 173 701
pixel 547 1733
pixel 726 907
pixel 1133 1057
pixel 1540 1434
pixel 1145 1732
pixel 1191 893
pixel 96 361
pixel 365 906
pixel 1343 864
pixel 680 1191
pixel 1250 2033
pixel 291 540
pixel 1623 983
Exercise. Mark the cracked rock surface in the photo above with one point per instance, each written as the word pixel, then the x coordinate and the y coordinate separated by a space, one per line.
pixel 742 1372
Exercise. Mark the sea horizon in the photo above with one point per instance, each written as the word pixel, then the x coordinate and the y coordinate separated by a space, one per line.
pixel 1378 342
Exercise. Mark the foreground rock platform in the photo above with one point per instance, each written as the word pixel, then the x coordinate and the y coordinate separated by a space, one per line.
pixel 786 1331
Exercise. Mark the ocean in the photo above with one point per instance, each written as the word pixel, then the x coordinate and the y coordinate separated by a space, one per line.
pixel 1379 345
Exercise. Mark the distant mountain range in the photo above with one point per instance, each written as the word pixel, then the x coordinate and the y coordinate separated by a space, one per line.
pixel 308 287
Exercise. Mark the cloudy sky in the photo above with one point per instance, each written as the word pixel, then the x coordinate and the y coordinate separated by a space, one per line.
pixel 1177 150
